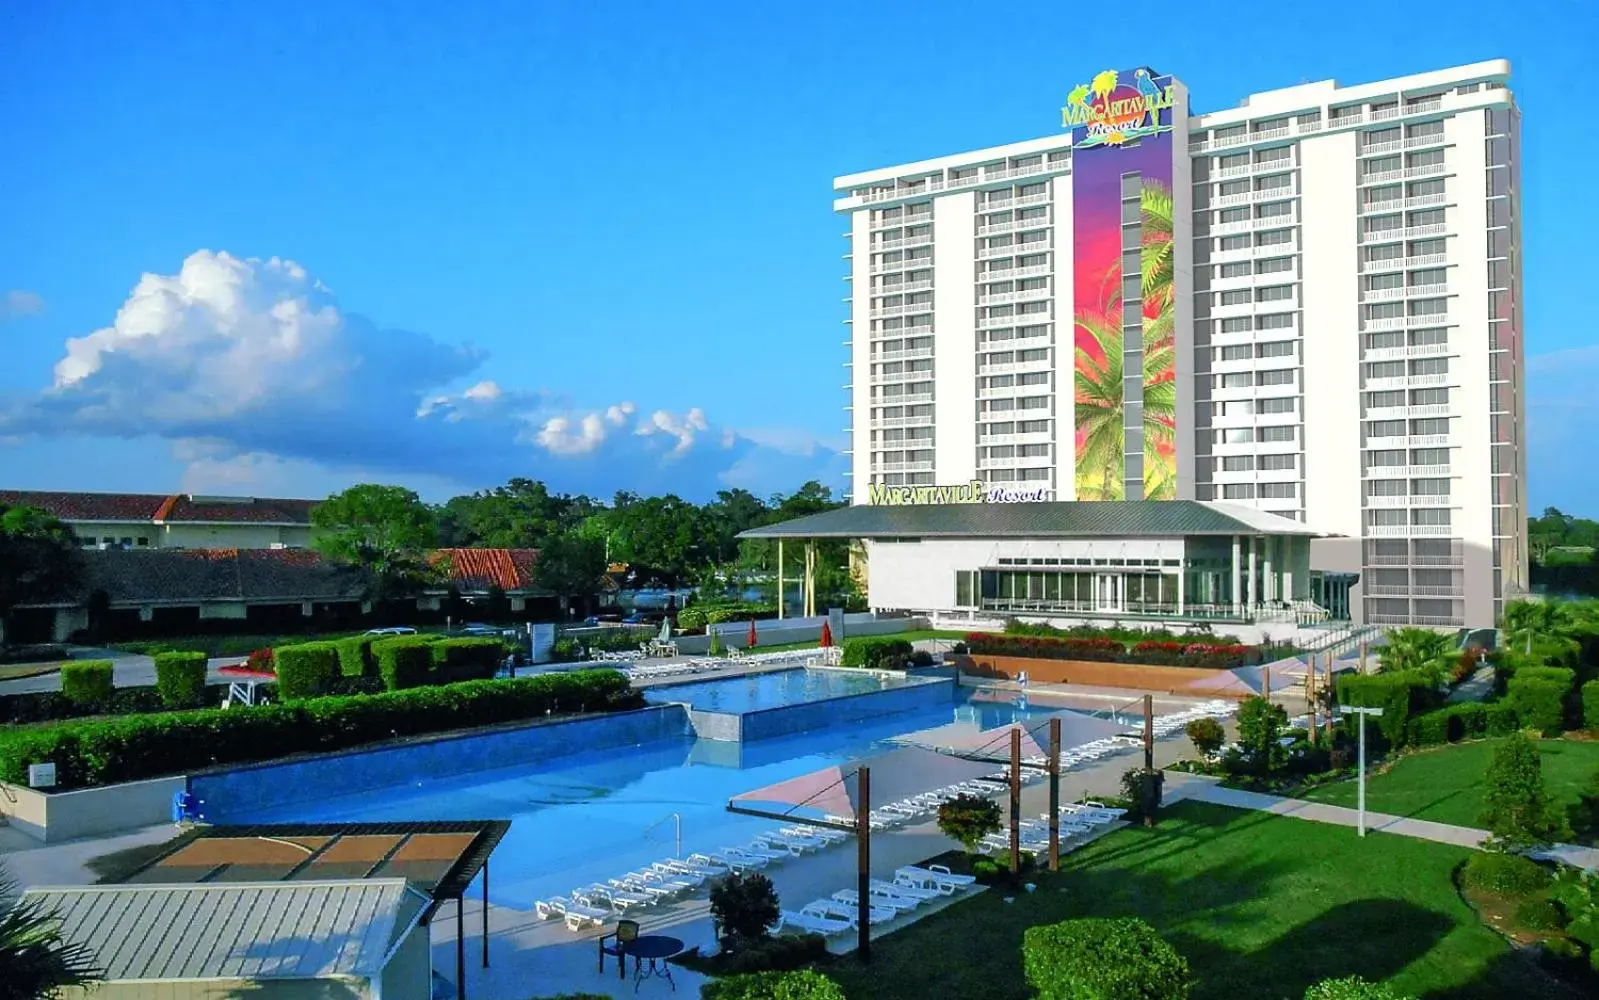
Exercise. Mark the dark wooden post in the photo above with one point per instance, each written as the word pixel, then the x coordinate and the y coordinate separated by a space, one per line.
pixel 460 946
pixel 863 865
pixel 1149 732
pixel 1015 802
pixel 1054 793
pixel 1310 701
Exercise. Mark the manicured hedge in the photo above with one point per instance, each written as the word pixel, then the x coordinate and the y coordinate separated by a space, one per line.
pixel 111 749
pixel 1107 650
pixel 1114 958
pixel 180 679
pixel 1542 697
pixel 355 656
pixel 404 662
pixel 467 659
pixel 803 984
pixel 306 670
pixel 875 652
pixel 1505 874
pixel 1590 705
pixel 87 683
pixel 1400 694
pixel 1466 721
pixel 1352 988
pixel 701 615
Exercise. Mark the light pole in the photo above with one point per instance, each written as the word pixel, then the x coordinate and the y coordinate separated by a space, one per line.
pixel 1360 823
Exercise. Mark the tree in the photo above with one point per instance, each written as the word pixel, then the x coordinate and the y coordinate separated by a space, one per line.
pixel 968 819
pixel 39 558
pixel 663 534
pixel 1418 649
pixel 744 907
pixel 1207 735
pixel 1103 958
pixel 1260 731
pixel 570 564
pixel 35 962
pixel 387 532
pixel 1518 811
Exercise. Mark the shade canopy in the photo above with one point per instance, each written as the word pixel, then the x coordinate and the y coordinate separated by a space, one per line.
pixel 835 791
pixel 1245 681
pixel 993 745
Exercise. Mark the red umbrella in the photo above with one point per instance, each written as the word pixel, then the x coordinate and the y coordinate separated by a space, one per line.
pixel 827 635
pixel 752 634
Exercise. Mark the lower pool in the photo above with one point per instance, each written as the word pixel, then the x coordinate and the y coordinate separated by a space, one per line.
pixel 779 688
pixel 594 815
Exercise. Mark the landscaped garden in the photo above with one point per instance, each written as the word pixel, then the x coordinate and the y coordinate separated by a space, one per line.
pixel 1155 646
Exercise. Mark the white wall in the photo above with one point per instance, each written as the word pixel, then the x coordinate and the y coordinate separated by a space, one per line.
pixel 1469 426
pixel 861 354
pixel 1183 275
pixel 1065 442
pixel 954 338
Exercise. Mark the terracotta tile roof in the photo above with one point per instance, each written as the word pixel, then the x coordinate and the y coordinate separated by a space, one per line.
pixel 484 569
pixel 147 576
pixel 162 507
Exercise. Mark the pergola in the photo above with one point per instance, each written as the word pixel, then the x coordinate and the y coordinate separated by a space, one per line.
pixel 441 859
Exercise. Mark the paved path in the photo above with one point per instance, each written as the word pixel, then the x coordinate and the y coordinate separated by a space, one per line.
pixel 1202 789
pixel 1477 687
pixel 127 670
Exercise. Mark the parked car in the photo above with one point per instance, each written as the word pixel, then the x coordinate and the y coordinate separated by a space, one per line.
pixel 392 630
pixel 644 618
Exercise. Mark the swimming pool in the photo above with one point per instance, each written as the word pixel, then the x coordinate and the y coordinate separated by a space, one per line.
pixel 779 688
pixel 592 815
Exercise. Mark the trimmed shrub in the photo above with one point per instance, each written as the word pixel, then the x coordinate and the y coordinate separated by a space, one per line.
pixel 261 662
pixel 1518 811
pixel 1467 721
pixel 873 652
pixel 1119 958
pixel 743 908
pixel 87 683
pixel 1540 695
pixel 1207 735
pixel 180 679
pixel 1502 720
pixel 773 954
pixel 110 749
pixel 306 670
pixel 996 868
pixel 467 659
pixel 1590 705
pixel 355 656
pixel 1509 875
pixel 1100 648
pixel 1400 694
pixel 968 819
pixel 405 662
pixel 1351 988
pixel 802 984
pixel 1538 915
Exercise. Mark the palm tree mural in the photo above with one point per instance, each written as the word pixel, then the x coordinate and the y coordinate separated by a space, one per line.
pixel 1099 380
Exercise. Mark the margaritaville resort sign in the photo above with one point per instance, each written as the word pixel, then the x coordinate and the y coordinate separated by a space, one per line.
pixel 975 491
pixel 1115 108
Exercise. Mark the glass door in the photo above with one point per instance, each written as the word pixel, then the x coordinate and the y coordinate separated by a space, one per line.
pixel 1107 592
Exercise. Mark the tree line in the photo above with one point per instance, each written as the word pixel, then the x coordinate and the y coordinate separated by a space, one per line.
pixel 1561 550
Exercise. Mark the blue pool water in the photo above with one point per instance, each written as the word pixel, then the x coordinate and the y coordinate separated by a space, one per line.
pixel 594 815
pixel 755 692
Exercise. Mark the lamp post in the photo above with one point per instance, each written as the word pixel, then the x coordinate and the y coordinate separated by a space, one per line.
pixel 1360 823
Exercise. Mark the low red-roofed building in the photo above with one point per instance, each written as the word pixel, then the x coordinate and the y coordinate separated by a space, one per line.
pixel 174 521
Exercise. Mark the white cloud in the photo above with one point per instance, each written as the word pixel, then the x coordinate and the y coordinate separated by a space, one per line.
pixel 18 303
pixel 253 367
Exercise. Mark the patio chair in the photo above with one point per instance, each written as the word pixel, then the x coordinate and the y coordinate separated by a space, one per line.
pixel 935 873
pixel 625 934
pixel 906 890
pixel 811 923
pixel 898 904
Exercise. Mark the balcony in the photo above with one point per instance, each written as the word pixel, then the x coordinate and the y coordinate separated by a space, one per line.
pixel 1344 121
pixel 1379 207
pixel 1408 531
pixel 1404 412
pixel 913 264
pixel 1406 471
pixel 1428 170
pixel 1025 295
pixel 903 355
pixel 903 220
pixel 1269 134
pixel 1383 114
pixel 1227 200
pixel 1432 139
pixel 1383 323
pixel 1425 291
pixel 1426 200
pixel 903 287
pixel 1379 148
pixel 926 421
pixel 1382 176
pixel 1014 249
pixel 1000 367
pixel 909 241
pixel 1241 170
pixel 902 467
pixel 1450 560
pixel 1404 263
pixel 1389 503
pixel 1416 232
pixel 894 378
pixel 1032 437
pixel 887 311
pixel 1407 382
pixel 1001 228
pixel 1425 107
pixel 1011 273
pixel 1427 441
pixel 1429 590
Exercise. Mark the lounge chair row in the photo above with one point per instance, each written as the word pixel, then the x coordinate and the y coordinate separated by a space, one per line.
pixel 1168 725
pixel 1077 821
pixel 913 886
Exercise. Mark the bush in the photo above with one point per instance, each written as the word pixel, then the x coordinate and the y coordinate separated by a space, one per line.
pixel 989 870
pixel 1100 958
pixel 404 662
pixel 871 651
pixel 306 670
pixel 743 908
pixel 1577 892
pixel 1351 988
pixel 465 659
pixel 1101 648
pixel 1509 875
pixel 1540 696
pixel 1261 727
pixel 1538 915
pixel 1207 735
pixel 262 662
pixel 774 954
pixel 800 985
pixel 1518 811
pixel 968 819
pixel 1400 694
pixel 87 683
pixel 107 750
pixel 1466 721
pixel 1143 789
pixel 1590 705
pixel 355 656
pixel 180 679
pixel 1502 720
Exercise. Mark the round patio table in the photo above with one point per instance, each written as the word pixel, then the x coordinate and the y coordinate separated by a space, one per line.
pixel 654 949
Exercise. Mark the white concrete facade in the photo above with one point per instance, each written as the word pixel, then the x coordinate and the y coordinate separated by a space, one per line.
pixel 1350 346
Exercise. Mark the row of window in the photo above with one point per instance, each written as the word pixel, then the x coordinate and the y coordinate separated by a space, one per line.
pixel 1244 241
pixel 1282 434
pixel 1391 517
pixel 1260 463
pixel 1264 293
pixel 1255 407
pixel 1245 268
pixel 1266 321
pixel 1261 210
pixel 1383 193
pixel 1013 427
pixel 1260 491
pixel 1407 487
pixel 1088 561
pixel 1385 398
pixel 1436 336
pixel 1424 427
pixel 1389 458
pixel 1421 308
pixel 1279 157
pixel 1402 279
pixel 1263 349
pixel 1015 451
pixel 1245 380
pixel 1272 184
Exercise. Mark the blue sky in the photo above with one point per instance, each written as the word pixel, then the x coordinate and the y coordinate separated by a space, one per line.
pixel 610 221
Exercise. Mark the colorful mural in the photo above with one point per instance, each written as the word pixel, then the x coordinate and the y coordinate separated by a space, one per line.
pixel 1123 122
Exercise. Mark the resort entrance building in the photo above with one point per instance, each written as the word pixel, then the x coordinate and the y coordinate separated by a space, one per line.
pixel 1165 560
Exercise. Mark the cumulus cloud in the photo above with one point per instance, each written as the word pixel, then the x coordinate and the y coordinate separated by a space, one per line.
pixel 253 366
pixel 18 303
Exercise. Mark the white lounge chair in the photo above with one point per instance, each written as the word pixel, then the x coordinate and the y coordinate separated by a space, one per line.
pixel 576 915
pixel 848 911
pixel 602 897
pixel 672 868
pixel 936 873
pixel 900 904
pixel 656 893
pixel 811 923
pixel 703 864
pixel 821 833
pixel 736 863
pixel 903 889
pixel 749 857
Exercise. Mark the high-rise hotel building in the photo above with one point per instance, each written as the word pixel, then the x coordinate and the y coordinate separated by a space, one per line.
pixel 1310 303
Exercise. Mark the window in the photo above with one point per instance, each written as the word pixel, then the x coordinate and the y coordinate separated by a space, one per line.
pixel 141 540
pixel 1228 188
pixel 1438 516
pixel 1274 237
pixel 1276 182
pixel 1236 297
pixel 1238 463
pixel 1385 428
pixel 1382 282
pixel 1278 491
pixel 965 588
pixel 1234 352
pixel 1426 217
pixel 1380 459
pixel 1236 324
pixel 1273 265
pixel 1427 248
pixel 1386 488
pixel 1274 321
pixel 1235 380
pixel 1277 376
pixel 1377 254
pixel 1384 400
pixel 1236 269
pixel 1381 135
pixel 1279 434
pixel 1385 518
pixel 1278 463
pixel 1429 456
pixel 1235 435
pixel 1228 215
pixel 1276 349
pixel 1238 491
pixel 1382 165
pixel 1239 242
pixel 1429 336
pixel 1429 276
pixel 1430 158
pixel 1280 404
pixel 1426 189
pixel 1274 293
pixel 1384 310
pixel 1383 341
pixel 1274 210
pixel 1429 487
pixel 1430 307
pixel 1431 425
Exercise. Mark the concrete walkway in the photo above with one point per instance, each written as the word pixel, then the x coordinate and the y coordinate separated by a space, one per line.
pixel 1477 687
pixel 1200 788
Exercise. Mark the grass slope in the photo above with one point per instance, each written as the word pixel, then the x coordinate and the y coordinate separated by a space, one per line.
pixel 1262 906
pixel 1445 784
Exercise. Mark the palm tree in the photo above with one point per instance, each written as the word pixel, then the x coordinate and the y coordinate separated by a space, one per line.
pixel 1551 625
pixel 1413 649
pixel 37 963
pixel 1100 413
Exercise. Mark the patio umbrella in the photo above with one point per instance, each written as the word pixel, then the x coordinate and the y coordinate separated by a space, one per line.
pixel 666 630
pixel 752 634
pixel 827 635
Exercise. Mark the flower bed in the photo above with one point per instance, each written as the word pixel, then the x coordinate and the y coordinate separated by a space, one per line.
pixel 1211 656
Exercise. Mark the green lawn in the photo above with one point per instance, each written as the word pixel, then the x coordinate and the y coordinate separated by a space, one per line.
pixel 1262 906
pixel 1444 784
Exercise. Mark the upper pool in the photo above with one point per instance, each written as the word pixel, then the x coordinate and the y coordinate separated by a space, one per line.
pixel 758 692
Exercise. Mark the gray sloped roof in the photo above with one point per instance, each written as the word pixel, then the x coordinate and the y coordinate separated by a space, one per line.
pixel 1044 519
pixel 241 930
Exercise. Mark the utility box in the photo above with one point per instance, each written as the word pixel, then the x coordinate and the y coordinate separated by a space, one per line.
pixel 41 775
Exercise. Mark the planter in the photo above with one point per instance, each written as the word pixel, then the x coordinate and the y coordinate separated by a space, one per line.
pixel 1139 676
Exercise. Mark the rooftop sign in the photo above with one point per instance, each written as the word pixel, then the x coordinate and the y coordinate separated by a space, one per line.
pixel 975 491
pixel 1117 107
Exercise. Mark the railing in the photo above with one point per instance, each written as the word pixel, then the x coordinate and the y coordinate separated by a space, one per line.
pixel 1377 148
pixel 887 245
pixel 914 263
pixel 1426 170
pixel 1382 176
pixel 903 220
pixel 1430 139
pixel 903 287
